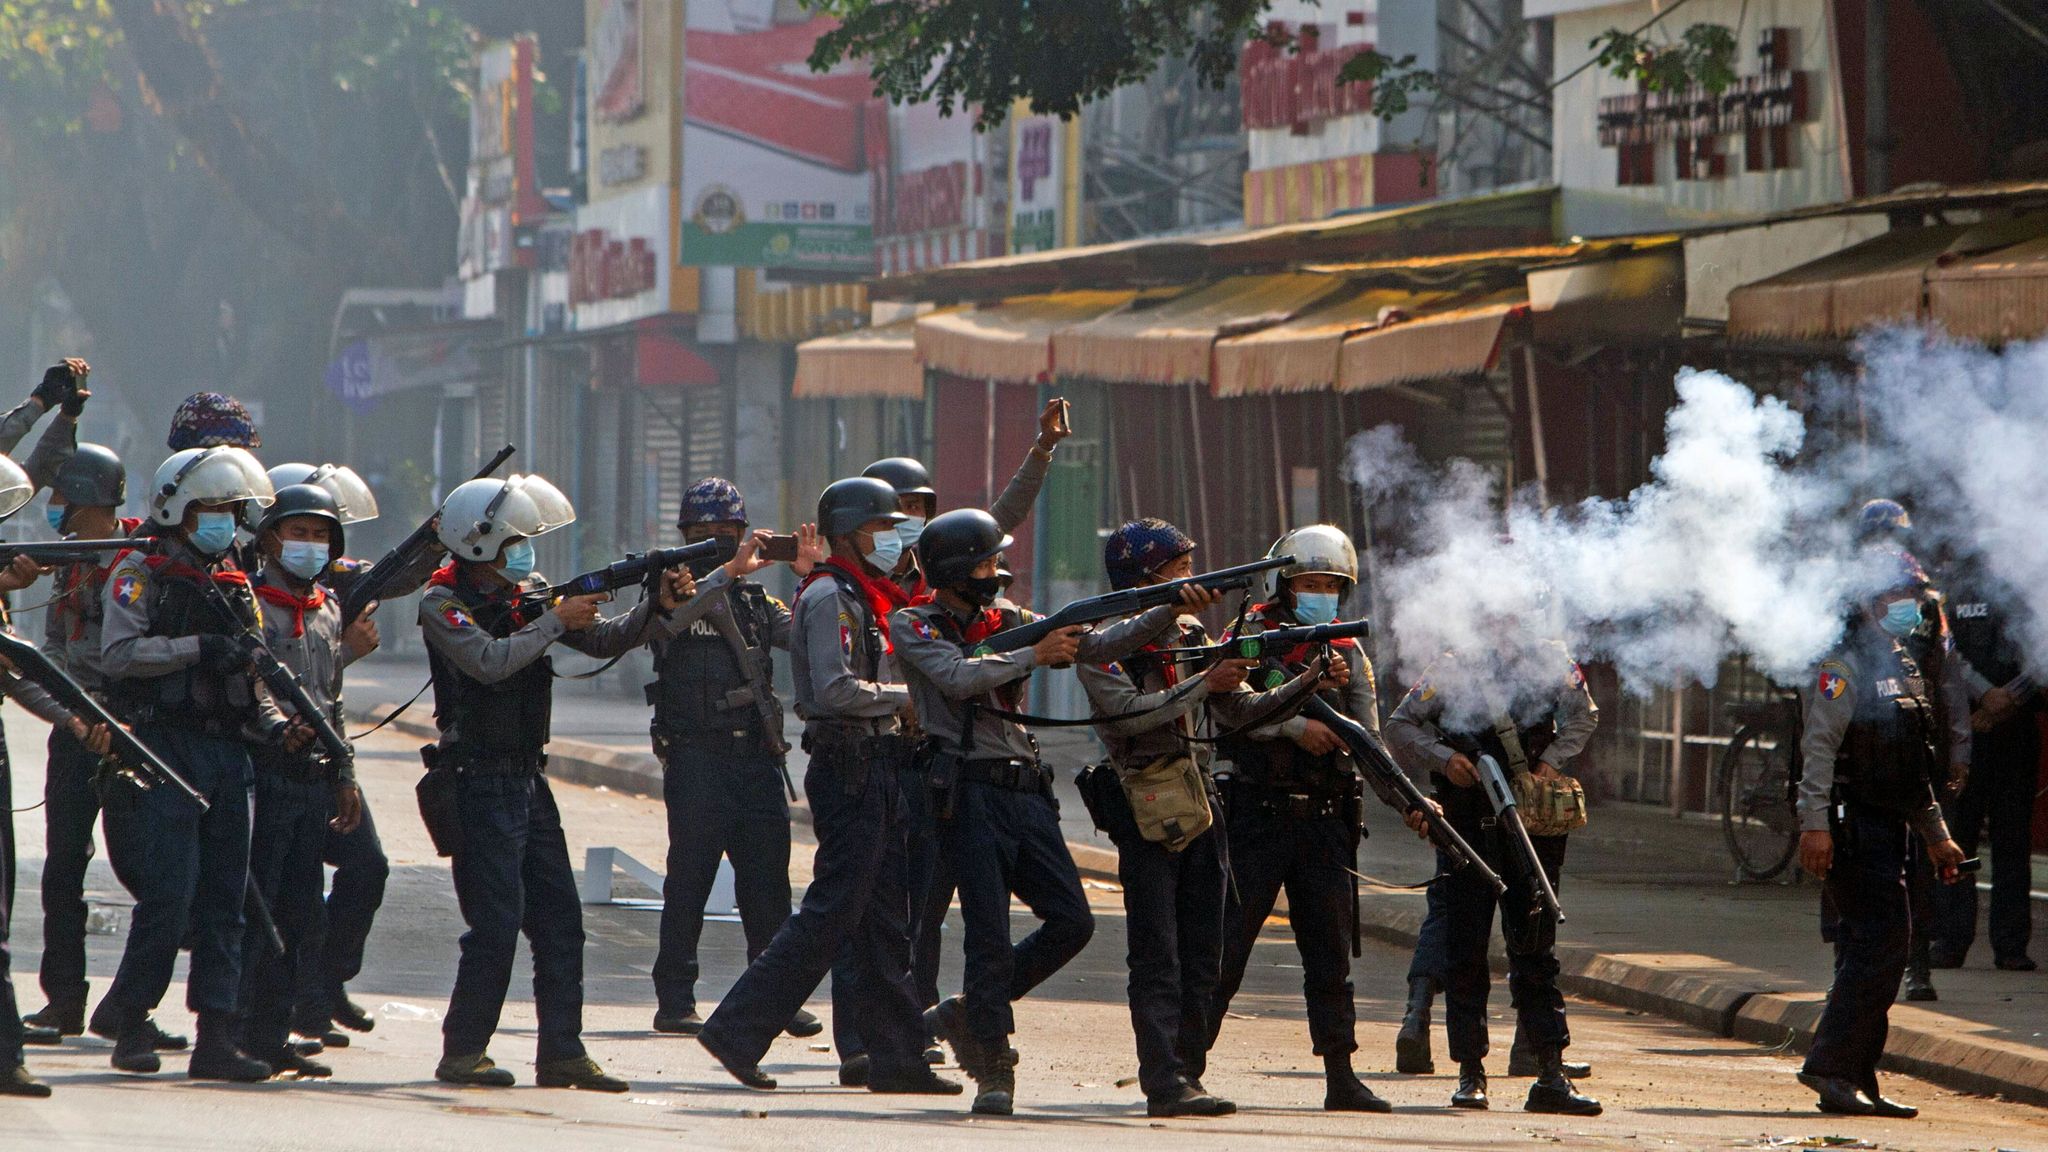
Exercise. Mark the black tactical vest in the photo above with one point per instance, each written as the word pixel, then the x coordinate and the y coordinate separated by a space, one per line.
pixel 1283 765
pixel 703 689
pixel 1980 630
pixel 491 721
pixel 1887 757
pixel 191 697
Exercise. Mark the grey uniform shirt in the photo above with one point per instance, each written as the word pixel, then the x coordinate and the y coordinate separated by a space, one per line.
pixel 1416 738
pixel 1830 706
pixel 942 677
pixel 843 677
pixel 72 626
pixel 455 634
pixel 129 652
pixel 713 601
pixel 315 656
pixel 58 443
pixel 1168 711
pixel 1011 508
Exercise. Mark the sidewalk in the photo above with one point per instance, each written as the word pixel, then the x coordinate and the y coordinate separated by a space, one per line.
pixel 1654 923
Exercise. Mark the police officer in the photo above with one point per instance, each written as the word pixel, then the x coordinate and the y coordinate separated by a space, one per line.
pixel 212 420
pixel 85 501
pixel 63 391
pixel 1293 801
pixel 487 654
pixel 718 733
pixel 1528 708
pixel 15 1078
pixel 2004 763
pixel 177 671
pixel 300 796
pixel 1173 893
pixel 1871 765
pixel 842 663
pixel 361 869
pixel 998 825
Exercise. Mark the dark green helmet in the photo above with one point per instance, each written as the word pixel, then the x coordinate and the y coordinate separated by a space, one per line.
pixel 305 500
pixel 955 543
pixel 848 504
pixel 94 477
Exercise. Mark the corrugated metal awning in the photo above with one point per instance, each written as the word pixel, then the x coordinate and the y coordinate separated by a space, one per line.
pixel 1172 342
pixel 1011 341
pixel 1875 282
pixel 1995 297
pixel 1458 341
pixel 868 362
pixel 1302 354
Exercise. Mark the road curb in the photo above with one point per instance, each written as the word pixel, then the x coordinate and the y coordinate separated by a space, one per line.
pixel 1738 1002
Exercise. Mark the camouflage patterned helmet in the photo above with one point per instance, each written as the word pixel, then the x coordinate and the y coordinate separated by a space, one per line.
pixel 712 500
pixel 1140 548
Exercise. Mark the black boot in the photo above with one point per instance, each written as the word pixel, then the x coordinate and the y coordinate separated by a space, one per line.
pixel 1187 1100
pixel 1342 1091
pixel 16 1080
pixel 1920 982
pixel 995 1082
pixel 1553 1092
pixel 1522 1061
pixel 65 1019
pixel 216 1056
pixel 350 1015
pixel 1471 1091
pixel 1411 1045
pixel 134 1044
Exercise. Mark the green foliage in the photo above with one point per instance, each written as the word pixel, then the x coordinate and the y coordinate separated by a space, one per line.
pixel 1055 54
pixel 1395 82
pixel 422 41
pixel 1704 55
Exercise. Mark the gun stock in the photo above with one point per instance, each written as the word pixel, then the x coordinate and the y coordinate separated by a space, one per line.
pixel 70 551
pixel 1501 797
pixel 365 589
pixel 635 568
pixel 279 678
pixel 1393 787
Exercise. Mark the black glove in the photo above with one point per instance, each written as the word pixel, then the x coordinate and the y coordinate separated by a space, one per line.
pixel 221 655
pixel 58 386
pixel 74 405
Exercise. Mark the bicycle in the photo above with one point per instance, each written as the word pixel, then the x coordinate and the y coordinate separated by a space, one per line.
pixel 1759 787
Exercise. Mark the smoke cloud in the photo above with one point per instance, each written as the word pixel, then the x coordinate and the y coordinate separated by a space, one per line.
pixel 1734 545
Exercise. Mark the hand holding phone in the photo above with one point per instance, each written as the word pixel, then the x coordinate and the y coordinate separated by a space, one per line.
pixel 778 548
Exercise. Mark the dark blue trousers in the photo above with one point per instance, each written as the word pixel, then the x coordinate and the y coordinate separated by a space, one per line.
pixel 513 875
pixel 2004 775
pixel 10 1012
pixel 856 906
pixel 193 871
pixel 1867 885
pixel 1173 914
pixel 71 807
pixel 1432 941
pixel 931 895
pixel 1002 843
pixel 361 869
pixel 287 835
pixel 728 807
pixel 1531 939
pixel 1270 851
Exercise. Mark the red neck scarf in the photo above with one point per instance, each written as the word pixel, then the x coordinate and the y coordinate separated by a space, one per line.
pixel 882 596
pixel 300 605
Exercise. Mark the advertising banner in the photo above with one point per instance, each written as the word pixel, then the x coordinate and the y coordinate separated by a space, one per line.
pixel 1043 152
pixel 775 157
pixel 615 61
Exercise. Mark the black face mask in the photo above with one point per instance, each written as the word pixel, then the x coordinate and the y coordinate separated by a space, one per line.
pixel 705 565
pixel 980 591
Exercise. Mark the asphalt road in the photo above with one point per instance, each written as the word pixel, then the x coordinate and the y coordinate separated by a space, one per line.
pixel 1664 1084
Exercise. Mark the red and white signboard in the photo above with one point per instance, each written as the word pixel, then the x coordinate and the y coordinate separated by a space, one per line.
pixel 931 202
pixel 618 259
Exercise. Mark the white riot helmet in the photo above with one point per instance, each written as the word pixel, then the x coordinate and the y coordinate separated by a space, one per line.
pixel 15 487
pixel 351 495
pixel 214 475
pixel 1321 548
pixel 479 516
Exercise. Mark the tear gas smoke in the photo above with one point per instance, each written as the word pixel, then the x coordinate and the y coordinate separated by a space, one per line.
pixel 1729 548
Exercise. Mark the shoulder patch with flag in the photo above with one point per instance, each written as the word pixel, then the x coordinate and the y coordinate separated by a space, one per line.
pixel 923 628
pixel 455 617
pixel 1577 679
pixel 129 586
pixel 1834 680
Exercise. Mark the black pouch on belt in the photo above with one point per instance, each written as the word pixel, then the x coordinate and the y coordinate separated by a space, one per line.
pixel 440 810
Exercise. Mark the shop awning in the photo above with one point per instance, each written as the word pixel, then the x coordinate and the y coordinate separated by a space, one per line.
pixel 1010 341
pixel 1463 340
pixel 867 362
pixel 1301 355
pixel 1878 281
pixel 1996 297
pixel 1172 342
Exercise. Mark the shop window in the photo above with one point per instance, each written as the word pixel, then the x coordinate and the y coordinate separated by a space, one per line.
pixel 1635 164
pixel 1697 158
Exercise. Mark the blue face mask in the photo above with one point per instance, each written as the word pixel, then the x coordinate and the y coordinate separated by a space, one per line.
pixel 306 559
pixel 1315 607
pixel 1901 617
pixel 909 531
pixel 518 561
pixel 887 551
pixel 55 515
pixel 214 534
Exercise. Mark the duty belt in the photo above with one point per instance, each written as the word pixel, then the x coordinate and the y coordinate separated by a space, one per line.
pixel 481 764
pixel 1010 775
pixel 1293 805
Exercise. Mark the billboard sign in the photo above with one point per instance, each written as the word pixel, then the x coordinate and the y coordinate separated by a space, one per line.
pixel 616 66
